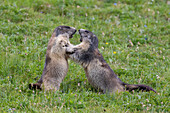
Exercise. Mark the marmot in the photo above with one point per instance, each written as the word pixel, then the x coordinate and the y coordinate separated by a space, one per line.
pixel 56 64
pixel 98 72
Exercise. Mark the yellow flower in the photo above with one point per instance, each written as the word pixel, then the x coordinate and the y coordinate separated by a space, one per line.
pixel 107 43
pixel 114 52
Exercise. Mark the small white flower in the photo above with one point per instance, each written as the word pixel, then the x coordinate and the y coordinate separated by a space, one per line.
pixel 147 108
pixel 160 51
pixel 147 100
pixel 78 6
pixel 138 43
pixel 13 109
pixel 143 105
pixel 157 76
pixel 78 84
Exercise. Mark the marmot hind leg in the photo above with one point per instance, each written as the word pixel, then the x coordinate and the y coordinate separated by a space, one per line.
pixel 35 86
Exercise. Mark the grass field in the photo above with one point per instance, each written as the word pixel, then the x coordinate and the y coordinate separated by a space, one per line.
pixel 134 38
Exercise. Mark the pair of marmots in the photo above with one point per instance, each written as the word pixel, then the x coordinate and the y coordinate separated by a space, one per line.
pixel 98 72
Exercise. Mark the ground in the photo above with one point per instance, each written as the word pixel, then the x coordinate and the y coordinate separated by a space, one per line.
pixel 134 38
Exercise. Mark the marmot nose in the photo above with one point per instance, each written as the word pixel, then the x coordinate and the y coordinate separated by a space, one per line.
pixel 81 40
pixel 74 31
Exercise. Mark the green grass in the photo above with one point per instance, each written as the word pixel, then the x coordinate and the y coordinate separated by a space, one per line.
pixel 27 25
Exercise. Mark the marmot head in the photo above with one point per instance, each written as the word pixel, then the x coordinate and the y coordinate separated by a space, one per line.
pixel 85 34
pixel 64 30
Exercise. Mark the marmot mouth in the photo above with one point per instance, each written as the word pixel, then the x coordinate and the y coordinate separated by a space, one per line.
pixel 81 40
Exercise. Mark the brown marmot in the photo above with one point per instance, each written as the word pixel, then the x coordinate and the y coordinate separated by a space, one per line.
pixel 56 64
pixel 98 72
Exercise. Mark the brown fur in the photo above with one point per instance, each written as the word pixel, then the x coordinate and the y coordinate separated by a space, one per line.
pixel 98 72
pixel 56 64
